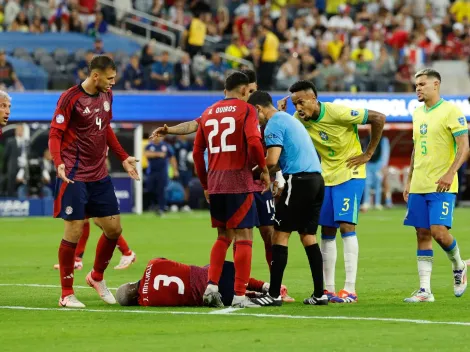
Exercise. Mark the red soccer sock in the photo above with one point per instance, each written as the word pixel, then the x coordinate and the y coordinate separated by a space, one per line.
pixel 268 249
pixel 242 266
pixel 81 245
pixel 66 262
pixel 218 253
pixel 123 246
pixel 104 253
pixel 255 285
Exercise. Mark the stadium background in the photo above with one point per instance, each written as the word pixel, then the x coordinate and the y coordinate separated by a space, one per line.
pixel 173 57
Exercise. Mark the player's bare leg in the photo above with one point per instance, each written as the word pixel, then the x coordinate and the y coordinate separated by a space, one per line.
pixel 72 233
pixel 329 255
pixel 425 259
pixel 112 229
pixel 81 245
pixel 128 256
pixel 449 244
pixel 212 297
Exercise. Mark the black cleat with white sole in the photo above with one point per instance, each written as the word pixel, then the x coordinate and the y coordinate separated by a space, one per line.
pixel 267 301
pixel 315 301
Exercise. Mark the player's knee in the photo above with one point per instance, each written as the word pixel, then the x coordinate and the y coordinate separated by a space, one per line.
pixel 439 233
pixel 281 238
pixel 114 232
pixel 423 235
pixel 308 240
pixel 346 228
pixel 328 231
pixel 266 233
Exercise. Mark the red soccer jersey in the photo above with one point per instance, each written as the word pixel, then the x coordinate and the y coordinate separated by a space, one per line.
pixel 167 283
pixel 84 119
pixel 229 130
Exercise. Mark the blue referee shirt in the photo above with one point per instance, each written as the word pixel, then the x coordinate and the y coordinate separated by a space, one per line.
pixel 298 153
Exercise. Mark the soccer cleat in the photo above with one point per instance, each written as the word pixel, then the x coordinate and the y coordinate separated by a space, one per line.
pixel 77 266
pixel 126 261
pixel 420 295
pixel 285 296
pixel 244 302
pixel 212 297
pixel 329 294
pixel 315 301
pixel 344 297
pixel 70 301
pixel 101 288
pixel 267 301
pixel 460 281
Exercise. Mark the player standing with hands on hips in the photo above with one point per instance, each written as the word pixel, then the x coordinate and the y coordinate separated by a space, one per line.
pixel 440 136
pixel 298 208
pixel 79 138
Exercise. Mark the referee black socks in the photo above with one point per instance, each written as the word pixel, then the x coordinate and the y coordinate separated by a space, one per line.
pixel 278 265
pixel 316 267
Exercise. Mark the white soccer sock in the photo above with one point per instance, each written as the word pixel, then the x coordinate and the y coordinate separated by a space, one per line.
pixel 329 254
pixel 453 253
pixel 425 259
pixel 351 255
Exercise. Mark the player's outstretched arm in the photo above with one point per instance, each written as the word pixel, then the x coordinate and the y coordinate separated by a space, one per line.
pixel 445 182
pixel 181 129
pixel 377 122
pixel 199 163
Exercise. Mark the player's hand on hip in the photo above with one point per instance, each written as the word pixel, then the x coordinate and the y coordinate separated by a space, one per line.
pixel 130 165
pixel 266 179
pixel 445 182
pixel 357 161
pixel 206 194
pixel 282 104
pixel 159 132
pixel 61 174
pixel 406 192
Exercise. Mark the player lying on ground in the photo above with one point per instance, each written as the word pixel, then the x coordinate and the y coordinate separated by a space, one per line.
pixel 79 138
pixel 169 283
pixel 440 137
pixel 5 106
pixel 333 130
pixel 128 256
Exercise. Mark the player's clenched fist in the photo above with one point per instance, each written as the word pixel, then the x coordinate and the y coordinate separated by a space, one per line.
pixel 61 174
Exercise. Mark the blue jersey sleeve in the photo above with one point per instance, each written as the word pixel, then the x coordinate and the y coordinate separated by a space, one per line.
pixel 274 133
pixel 171 151
pixel 150 147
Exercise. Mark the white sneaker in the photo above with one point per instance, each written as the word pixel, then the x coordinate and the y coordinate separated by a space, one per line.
pixel 70 301
pixel 379 207
pixel 101 288
pixel 186 209
pixel 460 281
pixel 243 302
pixel 126 261
pixel 420 295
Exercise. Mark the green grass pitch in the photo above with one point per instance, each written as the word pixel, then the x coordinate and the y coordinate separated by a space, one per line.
pixel 387 273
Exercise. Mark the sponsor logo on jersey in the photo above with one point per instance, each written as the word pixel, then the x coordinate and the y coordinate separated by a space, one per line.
pixel 354 113
pixel 423 128
pixel 106 106
pixel 60 118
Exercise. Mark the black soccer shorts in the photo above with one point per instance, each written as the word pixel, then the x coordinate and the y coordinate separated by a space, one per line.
pixel 299 207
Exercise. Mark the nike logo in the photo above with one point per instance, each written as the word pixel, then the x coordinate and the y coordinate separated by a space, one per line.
pixel 441 218
pixel 341 214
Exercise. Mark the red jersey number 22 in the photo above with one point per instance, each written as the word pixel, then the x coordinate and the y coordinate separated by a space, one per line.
pixel 224 147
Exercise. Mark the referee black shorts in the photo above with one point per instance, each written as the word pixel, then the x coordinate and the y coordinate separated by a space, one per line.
pixel 299 206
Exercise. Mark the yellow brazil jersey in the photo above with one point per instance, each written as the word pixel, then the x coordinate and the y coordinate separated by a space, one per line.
pixel 434 130
pixel 197 32
pixel 336 139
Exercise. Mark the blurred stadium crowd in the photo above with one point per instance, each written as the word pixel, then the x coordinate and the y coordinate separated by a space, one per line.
pixel 372 45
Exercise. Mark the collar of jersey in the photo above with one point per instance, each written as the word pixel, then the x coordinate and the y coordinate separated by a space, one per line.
pixel 322 112
pixel 85 92
pixel 434 106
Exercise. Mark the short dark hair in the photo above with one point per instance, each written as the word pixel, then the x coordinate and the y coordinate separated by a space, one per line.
pixel 235 80
pixel 430 72
pixel 260 98
pixel 303 85
pixel 250 74
pixel 102 63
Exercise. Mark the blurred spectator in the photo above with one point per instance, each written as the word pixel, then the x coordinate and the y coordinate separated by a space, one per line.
pixel 236 49
pixel 362 52
pixel 335 46
pixel 36 26
pixel 414 53
pixel 151 7
pixel 215 75
pixel 460 10
pixel 75 25
pixel 383 71
pixel 87 10
pixel 327 77
pixel 14 162
pixel 288 73
pixel 82 67
pixel 20 24
pixel 222 21
pixel 347 69
pixel 363 73
pixel 342 21
pixel 8 78
pixel 177 15
pixel 184 76
pixel 308 67
pixel 269 45
pixel 404 76
pixel 98 27
pixel 195 35
pixel 134 75
pixel 99 47
pixel 162 72
pixel 12 9
pixel 148 57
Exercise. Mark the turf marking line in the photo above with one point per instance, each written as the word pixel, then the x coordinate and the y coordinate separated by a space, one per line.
pixel 279 316
pixel 225 310
pixel 49 286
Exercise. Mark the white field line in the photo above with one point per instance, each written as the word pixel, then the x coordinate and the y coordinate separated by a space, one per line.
pixel 49 286
pixel 278 316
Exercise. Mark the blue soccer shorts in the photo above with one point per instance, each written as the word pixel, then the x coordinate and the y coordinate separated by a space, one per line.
pixel 342 202
pixel 81 200
pixel 425 210
pixel 265 208
pixel 233 211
